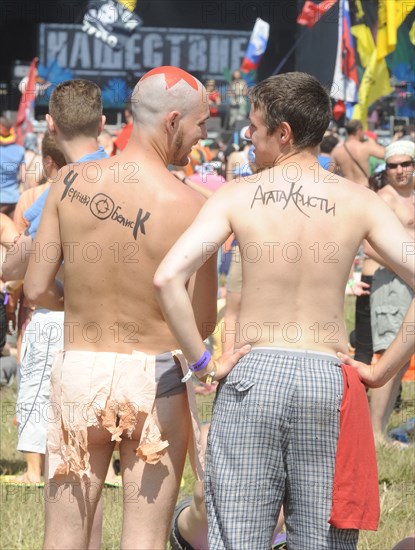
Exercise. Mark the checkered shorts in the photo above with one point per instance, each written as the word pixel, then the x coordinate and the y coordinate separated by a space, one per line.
pixel 273 441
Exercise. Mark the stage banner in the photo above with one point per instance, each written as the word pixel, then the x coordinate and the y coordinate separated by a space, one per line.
pixel 206 53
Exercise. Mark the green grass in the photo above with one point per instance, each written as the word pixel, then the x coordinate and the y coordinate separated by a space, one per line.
pixel 21 511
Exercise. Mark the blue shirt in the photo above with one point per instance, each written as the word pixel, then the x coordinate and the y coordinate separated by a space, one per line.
pixel 34 213
pixel 11 158
pixel 324 161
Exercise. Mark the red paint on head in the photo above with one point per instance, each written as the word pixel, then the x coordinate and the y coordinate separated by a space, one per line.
pixel 173 75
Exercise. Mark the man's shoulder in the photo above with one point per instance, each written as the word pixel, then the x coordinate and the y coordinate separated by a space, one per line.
pixel 339 150
pixel 388 194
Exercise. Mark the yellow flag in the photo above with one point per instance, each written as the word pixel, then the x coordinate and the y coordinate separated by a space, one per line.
pixel 391 14
pixel 360 14
pixel 365 43
pixel 129 4
pixel 412 34
pixel 375 84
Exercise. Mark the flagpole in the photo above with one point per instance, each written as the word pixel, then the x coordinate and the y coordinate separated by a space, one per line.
pixel 345 56
pixel 288 54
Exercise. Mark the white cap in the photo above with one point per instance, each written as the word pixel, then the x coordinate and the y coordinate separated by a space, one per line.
pixel 401 147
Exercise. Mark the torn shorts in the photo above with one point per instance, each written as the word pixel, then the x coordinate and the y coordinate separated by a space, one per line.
pixel 109 389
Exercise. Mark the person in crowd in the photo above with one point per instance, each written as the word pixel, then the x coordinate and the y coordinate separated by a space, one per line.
pixel 121 361
pixel 352 156
pixel 12 158
pixel 120 142
pixel 391 295
pixel 275 433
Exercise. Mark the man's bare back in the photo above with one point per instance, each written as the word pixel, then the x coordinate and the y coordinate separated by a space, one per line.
pixel 123 229
pixel 114 220
pixel 352 156
pixel 296 246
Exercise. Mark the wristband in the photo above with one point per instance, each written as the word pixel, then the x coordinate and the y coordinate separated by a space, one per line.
pixel 208 378
pixel 350 283
pixel 202 363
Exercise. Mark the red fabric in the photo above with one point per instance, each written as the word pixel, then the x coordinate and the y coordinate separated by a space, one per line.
pixel 339 109
pixel 123 137
pixel 355 502
pixel 213 98
pixel 349 65
pixel 311 13
pixel 23 123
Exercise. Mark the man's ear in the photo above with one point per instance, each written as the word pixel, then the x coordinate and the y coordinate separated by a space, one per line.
pixel 51 124
pixel 102 124
pixel 285 132
pixel 172 122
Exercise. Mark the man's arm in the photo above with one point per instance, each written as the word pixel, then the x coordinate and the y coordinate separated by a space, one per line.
pixel 203 289
pixel 373 255
pixel 391 241
pixel 8 231
pixel 385 195
pixel 375 149
pixel 334 164
pixel 40 286
pixel 199 243
pixel 8 234
pixel 17 258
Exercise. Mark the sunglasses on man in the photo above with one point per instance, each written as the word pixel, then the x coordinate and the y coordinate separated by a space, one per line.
pixel 394 165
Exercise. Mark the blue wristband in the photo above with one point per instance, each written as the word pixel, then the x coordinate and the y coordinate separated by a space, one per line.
pixel 202 363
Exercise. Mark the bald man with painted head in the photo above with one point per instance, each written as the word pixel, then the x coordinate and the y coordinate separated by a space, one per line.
pixel 111 222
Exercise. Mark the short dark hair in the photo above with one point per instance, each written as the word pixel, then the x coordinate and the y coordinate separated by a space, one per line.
pixel 352 126
pixel 49 148
pixel 76 107
pixel 214 145
pixel 328 143
pixel 298 99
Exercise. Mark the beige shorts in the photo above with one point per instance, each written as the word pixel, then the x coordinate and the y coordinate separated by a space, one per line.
pixel 113 390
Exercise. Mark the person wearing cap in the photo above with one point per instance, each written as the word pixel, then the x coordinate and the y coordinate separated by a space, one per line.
pixel 390 295
pixel 11 165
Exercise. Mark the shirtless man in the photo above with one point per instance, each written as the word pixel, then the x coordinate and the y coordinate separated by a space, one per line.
pixel 74 121
pixel 275 425
pixel 112 221
pixel 390 295
pixel 352 156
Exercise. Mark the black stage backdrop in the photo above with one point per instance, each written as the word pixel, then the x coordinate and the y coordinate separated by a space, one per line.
pixel 19 21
